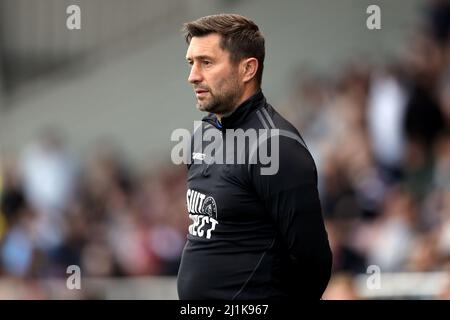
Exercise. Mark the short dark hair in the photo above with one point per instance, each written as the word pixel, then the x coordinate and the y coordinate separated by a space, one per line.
pixel 240 36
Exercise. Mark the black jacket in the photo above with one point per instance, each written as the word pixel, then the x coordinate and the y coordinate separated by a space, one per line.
pixel 254 235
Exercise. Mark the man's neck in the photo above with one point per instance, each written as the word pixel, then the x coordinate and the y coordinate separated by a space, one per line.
pixel 247 94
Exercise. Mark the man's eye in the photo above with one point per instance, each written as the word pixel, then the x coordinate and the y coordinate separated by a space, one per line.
pixel 206 62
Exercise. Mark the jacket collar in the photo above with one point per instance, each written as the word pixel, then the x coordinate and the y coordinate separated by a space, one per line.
pixel 239 114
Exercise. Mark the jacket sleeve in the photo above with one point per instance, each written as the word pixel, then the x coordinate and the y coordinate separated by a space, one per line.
pixel 291 198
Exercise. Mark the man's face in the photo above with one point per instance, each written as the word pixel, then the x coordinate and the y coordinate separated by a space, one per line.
pixel 215 79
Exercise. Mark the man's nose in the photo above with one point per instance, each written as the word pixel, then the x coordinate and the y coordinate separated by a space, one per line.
pixel 194 76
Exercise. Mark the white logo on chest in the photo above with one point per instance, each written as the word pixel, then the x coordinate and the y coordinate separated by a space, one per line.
pixel 203 213
pixel 198 156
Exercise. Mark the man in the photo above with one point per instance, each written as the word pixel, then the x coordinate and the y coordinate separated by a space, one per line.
pixel 254 235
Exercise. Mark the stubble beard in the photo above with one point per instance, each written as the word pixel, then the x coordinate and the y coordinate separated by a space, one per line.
pixel 223 102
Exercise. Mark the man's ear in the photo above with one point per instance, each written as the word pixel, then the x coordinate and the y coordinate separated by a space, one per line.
pixel 249 68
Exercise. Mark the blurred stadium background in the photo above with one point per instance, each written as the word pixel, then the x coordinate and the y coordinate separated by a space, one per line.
pixel 86 116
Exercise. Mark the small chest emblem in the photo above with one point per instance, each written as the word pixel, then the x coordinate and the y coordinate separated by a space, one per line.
pixel 210 207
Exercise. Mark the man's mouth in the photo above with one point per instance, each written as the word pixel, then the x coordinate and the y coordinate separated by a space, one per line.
pixel 200 92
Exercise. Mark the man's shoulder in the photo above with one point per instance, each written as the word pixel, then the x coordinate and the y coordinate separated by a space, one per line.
pixel 266 117
pixel 286 145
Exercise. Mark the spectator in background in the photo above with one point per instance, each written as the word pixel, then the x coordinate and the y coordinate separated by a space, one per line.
pixel 385 116
pixel 437 14
pixel 48 173
pixel 444 95
pixel 18 248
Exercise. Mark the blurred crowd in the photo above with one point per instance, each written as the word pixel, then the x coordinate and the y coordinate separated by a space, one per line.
pixel 380 136
pixel 96 213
